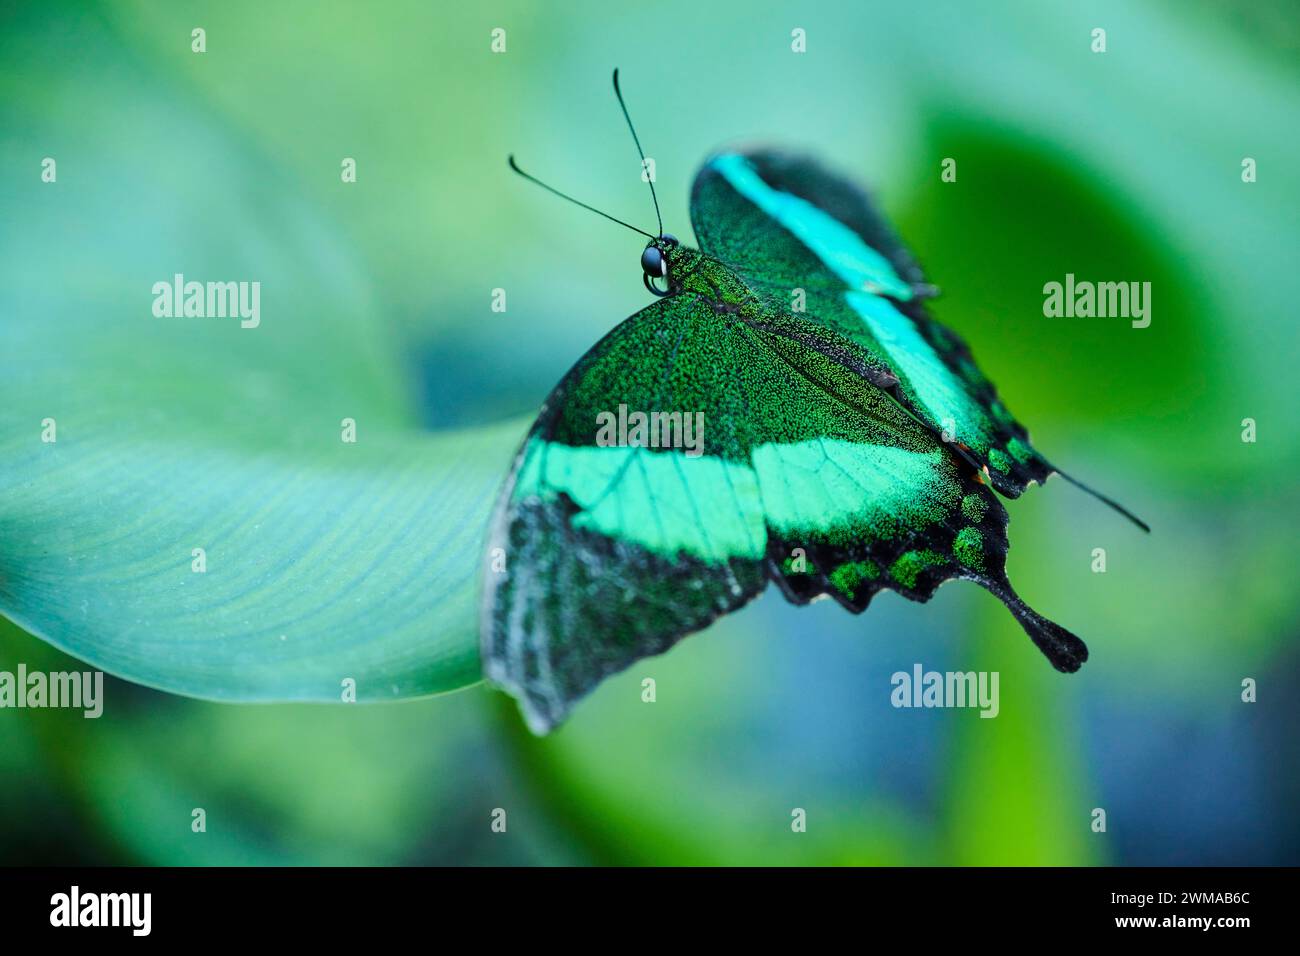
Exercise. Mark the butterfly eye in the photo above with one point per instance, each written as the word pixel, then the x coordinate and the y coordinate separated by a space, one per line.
pixel 653 263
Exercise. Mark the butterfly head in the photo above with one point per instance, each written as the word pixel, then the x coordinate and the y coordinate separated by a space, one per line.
pixel 663 253
pixel 657 262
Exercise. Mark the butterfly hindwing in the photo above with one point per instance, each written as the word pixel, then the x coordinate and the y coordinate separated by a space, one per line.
pixel 608 556
pixel 815 242
pixel 802 471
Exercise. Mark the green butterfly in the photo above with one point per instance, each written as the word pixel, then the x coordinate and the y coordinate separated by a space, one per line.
pixel 797 418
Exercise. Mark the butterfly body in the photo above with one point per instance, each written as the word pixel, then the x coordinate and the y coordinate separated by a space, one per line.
pixel 848 445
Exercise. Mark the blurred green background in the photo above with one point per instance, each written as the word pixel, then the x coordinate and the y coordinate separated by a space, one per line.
pixel 1117 166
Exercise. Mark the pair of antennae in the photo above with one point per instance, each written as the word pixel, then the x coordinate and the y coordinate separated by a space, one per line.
pixel 650 180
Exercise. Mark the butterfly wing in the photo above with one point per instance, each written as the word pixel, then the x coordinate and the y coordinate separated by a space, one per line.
pixel 805 474
pixel 786 224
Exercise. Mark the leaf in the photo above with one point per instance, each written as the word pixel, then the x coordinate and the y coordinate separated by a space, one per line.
pixel 325 560
pixel 318 568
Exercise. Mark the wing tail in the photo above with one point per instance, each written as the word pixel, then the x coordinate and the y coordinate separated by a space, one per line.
pixel 1064 649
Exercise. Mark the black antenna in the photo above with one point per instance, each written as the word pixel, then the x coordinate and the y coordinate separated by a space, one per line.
pixel 635 139
pixel 1105 500
pixel 552 189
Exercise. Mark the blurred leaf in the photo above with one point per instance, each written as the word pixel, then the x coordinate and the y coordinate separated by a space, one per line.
pixel 318 568
pixel 995 256
pixel 1015 795
pixel 325 560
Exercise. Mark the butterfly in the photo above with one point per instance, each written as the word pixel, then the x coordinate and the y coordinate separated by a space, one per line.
pixel 844 443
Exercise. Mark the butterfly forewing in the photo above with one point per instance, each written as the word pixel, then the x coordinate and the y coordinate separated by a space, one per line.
pixel 816 244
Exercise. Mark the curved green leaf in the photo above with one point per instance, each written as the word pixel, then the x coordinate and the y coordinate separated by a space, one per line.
pixel 351 561
pixel 325 559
